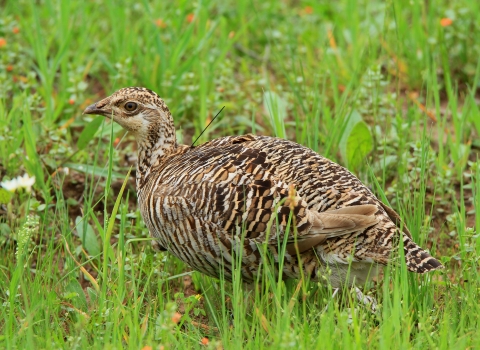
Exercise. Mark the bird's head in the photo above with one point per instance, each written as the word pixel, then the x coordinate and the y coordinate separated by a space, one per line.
pixel 138 110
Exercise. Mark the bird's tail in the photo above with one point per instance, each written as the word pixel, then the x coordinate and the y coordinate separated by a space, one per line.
pixel 417 259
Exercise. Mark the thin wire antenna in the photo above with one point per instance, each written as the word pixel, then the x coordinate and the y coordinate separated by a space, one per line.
pixel 220 111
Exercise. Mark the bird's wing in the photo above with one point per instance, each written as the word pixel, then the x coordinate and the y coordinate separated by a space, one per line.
pixel 334 223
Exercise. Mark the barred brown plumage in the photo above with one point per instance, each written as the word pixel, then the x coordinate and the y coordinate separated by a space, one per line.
pixel 236 193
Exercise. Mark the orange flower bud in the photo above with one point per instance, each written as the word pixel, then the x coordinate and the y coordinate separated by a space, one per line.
pixel 160 23
pixel 176 317
pixel 308 10
pixel 445 22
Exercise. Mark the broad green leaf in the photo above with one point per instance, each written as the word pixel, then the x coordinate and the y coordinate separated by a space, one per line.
pixel 88 237
pixel 93 170
pixel 356 141
pixel 347 127
pixel 89 132
pixel 32 161
pixel 277 110
pixel 359 145
pixel 92 294
pixel 79 301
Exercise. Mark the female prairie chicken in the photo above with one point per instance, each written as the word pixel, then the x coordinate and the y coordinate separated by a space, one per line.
pixel 236 193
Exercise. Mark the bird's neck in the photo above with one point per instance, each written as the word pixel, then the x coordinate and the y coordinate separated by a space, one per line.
pixel 155 144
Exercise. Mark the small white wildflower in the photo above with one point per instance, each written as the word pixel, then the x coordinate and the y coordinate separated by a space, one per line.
pixel 10 185
pixel 24 181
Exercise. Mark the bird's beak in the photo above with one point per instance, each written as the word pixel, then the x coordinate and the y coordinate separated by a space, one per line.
pixel 92 109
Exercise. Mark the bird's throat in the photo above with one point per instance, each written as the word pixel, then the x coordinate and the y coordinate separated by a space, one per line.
pixel 154 146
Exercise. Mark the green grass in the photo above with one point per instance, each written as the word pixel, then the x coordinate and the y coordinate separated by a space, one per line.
pixel 76 266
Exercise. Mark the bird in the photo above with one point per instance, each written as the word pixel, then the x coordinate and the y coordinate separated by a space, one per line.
pixel 220 206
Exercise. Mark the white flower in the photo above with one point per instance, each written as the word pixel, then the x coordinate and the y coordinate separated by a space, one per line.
pixel 24 181
pixel 11 185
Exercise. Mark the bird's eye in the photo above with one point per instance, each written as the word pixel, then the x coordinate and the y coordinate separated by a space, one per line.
pixel 130 106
